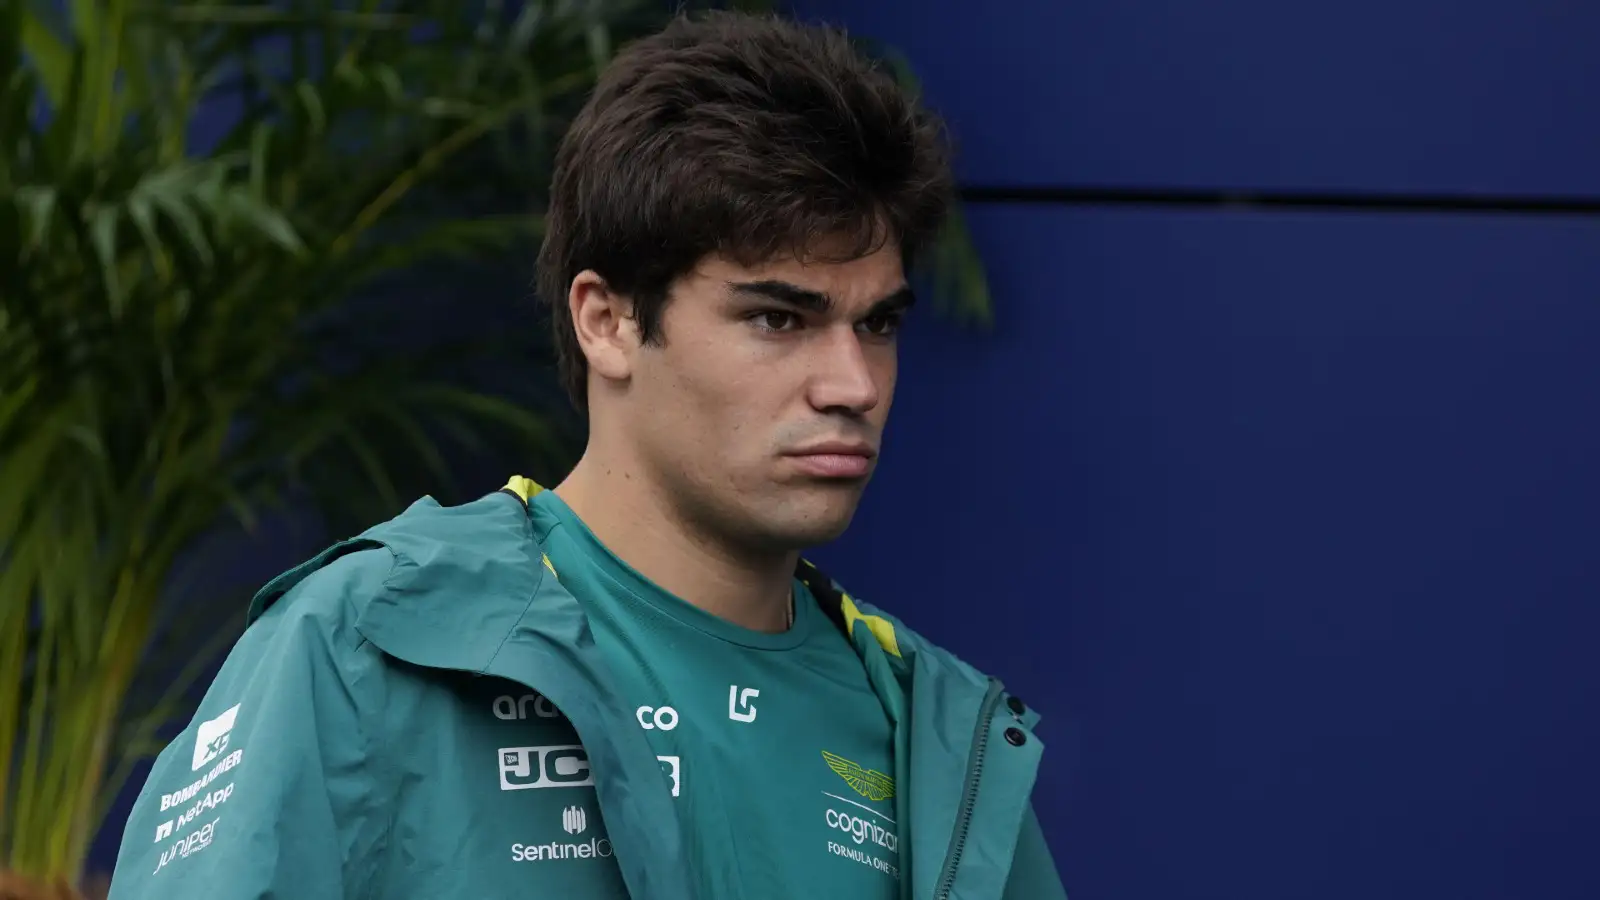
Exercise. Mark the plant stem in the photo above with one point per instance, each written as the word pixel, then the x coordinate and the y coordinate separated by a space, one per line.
pixel 28 780
pixel 13 635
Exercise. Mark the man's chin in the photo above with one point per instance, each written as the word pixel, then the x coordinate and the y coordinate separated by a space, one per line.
pixel 824 527
pixel 798 517
pixel 818 537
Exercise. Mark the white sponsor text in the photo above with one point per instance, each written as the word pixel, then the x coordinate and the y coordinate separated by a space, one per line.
pixel 652 717
pixel 593 848
pixel 514 708
pixel 526 768
pixel 177 798
pixel 188 845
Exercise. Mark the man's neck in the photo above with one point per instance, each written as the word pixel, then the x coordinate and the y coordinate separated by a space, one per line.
pixel 636 523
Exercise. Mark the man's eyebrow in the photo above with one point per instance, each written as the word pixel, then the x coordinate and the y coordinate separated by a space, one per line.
pixel 785 293
pixel 897 302
pixel 816 301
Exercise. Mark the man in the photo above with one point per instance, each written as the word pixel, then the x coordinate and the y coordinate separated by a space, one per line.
pixel 631 685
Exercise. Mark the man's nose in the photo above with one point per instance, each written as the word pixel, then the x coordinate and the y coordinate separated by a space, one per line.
pixel 843 379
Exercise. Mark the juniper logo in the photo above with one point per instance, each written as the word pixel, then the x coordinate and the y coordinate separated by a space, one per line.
pixel 574 820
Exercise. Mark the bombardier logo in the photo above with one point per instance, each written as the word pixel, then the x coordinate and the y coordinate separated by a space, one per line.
pixel 184 795
pixel 526 768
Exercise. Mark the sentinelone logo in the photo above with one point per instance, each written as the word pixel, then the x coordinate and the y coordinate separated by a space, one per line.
pixel 574 821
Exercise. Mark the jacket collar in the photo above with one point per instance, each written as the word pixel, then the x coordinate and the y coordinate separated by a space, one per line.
pixel 486 550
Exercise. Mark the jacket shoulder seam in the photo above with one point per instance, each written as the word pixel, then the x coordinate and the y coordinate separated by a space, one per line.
pixel 540 574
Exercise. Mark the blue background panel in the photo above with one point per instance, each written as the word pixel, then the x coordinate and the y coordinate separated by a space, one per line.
pixel 1410 96
pixel 1287 524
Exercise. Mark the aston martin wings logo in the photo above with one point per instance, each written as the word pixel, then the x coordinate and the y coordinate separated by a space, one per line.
pixel 869 783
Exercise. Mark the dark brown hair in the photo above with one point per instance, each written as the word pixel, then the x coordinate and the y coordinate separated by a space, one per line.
pixel 748 136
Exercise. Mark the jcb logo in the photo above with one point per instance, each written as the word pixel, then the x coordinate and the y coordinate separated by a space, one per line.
pixel 547 767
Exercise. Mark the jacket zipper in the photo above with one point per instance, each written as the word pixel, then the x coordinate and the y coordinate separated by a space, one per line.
pixel 969 797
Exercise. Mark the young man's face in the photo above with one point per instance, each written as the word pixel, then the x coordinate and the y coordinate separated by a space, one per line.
pixel 761 411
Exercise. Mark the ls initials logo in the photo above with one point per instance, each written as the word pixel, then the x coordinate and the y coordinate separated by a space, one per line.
pixel 740 709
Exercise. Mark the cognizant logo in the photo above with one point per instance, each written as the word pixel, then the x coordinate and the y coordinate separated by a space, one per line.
pixel 863 830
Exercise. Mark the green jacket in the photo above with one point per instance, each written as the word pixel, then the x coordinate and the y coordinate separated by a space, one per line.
pixel 343 749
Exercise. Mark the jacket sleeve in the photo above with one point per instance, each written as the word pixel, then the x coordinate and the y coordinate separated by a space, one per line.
pixel 273 789
pixel 1033 870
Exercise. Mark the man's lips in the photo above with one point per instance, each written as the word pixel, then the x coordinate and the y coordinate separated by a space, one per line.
pixel 835 459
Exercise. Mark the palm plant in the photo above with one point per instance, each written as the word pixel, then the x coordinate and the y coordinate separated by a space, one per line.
pixel 179 348
pixel 173 348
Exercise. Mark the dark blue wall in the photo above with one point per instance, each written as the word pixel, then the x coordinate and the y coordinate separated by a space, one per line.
pixel 1401 95
pixel 1287 520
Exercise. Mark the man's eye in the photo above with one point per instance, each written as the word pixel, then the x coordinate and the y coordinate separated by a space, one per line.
pixel 882 325
pixel 775 320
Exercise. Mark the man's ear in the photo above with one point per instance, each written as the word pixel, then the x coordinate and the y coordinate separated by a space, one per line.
pixel 605 325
